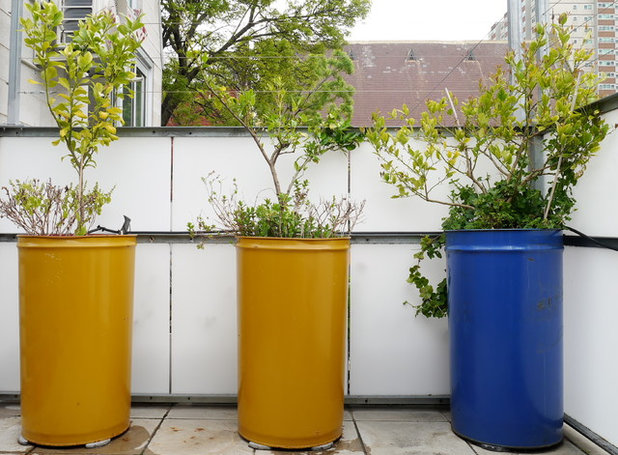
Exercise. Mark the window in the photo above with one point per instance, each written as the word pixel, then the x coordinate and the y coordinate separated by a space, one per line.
pixel 607 86
pixel 135 4
pixel 587 6
pixel 133 108
pixel 138 111
pixel 606 28
pixel 607 63
pixel 606 16
pixel 74 11
pixel 604 39
pixel 606 51
pixel 574 6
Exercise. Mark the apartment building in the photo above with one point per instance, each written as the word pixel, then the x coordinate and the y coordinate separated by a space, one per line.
pixel 593 25
pixel 23 103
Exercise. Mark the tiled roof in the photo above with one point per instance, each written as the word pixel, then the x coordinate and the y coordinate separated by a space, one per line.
pixel 386 77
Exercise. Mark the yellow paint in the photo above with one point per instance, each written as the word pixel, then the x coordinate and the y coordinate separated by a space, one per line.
pixel 76 313
pixel 292 299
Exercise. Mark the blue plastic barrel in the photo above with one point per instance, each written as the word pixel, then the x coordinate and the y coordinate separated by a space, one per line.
pixel 505 324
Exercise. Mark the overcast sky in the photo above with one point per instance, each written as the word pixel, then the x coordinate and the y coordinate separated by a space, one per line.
pixel 443 20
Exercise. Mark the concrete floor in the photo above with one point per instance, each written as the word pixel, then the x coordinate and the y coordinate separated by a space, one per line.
pixel 204 430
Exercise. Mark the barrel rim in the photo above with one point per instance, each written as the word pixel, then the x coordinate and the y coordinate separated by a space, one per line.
pixel 504 230
pixel 293 243
pixel 76 241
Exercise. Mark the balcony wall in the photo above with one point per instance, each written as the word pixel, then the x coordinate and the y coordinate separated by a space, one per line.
pixel 185 310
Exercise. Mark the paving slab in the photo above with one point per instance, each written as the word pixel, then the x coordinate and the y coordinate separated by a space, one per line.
pixel 149 411
pixel 349 444
pixel 411 438
pixel 566 448
pixel 198 437
pixel 398 415
pixel 10 410
pixel 10 429
pixel 203 412
pixel 132 442
pixel 582 442
pixel 215 412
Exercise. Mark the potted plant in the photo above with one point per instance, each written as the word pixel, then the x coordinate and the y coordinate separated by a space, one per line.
pixel 76 290
pixel 292 261
pixel 511 162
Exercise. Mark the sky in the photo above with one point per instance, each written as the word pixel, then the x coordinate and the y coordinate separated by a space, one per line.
pixel 443 20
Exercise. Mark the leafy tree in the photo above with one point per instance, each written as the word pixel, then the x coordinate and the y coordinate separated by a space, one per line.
pixel 486 159
pixel 306 122
pixel 244 44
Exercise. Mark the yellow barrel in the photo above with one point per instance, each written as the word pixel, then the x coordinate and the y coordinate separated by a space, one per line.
pixel 292 299
pixel 76 313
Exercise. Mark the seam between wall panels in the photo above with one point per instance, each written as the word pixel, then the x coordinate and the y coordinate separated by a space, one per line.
pixel 171 264
pixel 349 300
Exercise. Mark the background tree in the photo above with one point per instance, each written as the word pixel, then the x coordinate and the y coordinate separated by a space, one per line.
pixel 244 44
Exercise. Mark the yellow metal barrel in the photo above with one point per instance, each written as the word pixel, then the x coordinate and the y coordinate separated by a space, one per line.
pixel 76 313
pixel 292 301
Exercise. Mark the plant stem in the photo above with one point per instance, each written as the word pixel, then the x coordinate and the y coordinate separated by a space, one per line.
pixel 557 176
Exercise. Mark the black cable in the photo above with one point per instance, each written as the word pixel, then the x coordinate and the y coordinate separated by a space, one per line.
pixel 590 239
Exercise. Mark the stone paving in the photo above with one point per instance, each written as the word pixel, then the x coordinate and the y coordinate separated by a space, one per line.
pixel 205 430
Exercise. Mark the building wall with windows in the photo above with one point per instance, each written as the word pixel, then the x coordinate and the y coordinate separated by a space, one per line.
pixel 593 25
pixel 23 103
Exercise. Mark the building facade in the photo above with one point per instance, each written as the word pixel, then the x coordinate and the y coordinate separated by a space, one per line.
pixel 593 25
pixel 23 103
pixel 388 74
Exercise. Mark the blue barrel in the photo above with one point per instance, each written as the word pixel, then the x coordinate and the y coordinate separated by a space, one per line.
pixel 505 324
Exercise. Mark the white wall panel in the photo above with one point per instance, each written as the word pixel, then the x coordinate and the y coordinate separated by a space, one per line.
pixel 151 319
pixel 32 157
pixel 591 338
pixel 204 335
pixel 138 168
pixel 382 212
pixel 9 319
pixel 238 158
pixel 596 191
pixel 392 351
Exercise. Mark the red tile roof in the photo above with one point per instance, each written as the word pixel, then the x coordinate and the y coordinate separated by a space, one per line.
pixel 386 77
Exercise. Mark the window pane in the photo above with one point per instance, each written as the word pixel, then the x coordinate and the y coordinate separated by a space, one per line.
pixel 127 108
pixel 139 102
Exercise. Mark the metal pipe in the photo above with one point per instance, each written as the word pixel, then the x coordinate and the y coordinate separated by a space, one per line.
pixel 14 63
pixel 515 26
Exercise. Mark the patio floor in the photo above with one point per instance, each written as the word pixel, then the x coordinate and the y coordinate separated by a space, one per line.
pixel 204 430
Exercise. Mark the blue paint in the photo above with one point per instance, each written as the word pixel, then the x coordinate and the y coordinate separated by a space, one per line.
pixel 505 324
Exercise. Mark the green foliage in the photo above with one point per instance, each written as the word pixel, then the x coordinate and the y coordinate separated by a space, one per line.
pixel 486 160
pixel 245 45
pixel 292 216
pixel 81 81
pixel 305 122
pixel 45 209
pixel 434 303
